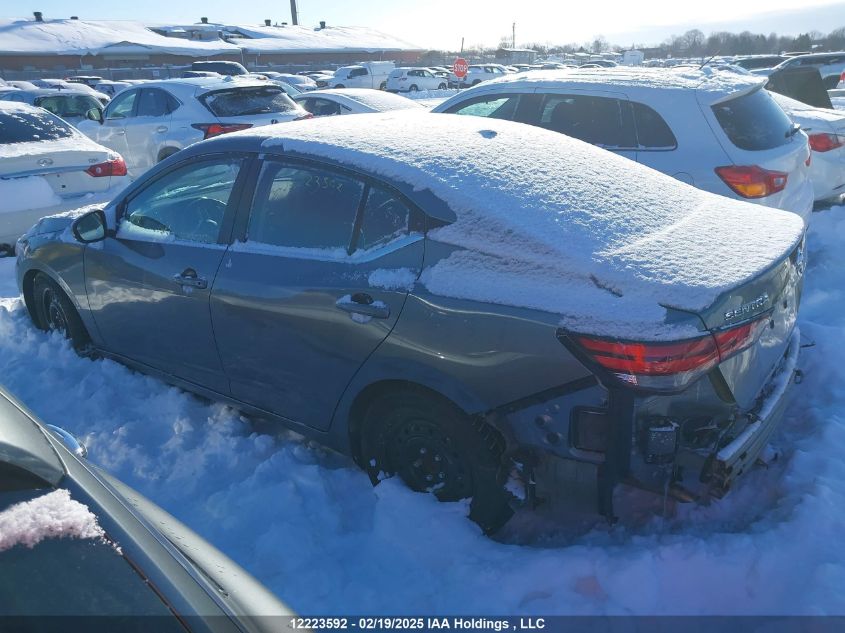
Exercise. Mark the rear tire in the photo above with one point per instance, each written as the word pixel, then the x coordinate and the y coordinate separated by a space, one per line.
pixel 340 86
pixel 434 447
pixel 166 153
pixel 441 87
pixel 55 313
pixel 413 88
pixel 383 86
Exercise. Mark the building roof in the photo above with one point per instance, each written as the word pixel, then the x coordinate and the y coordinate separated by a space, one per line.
pixel 303 39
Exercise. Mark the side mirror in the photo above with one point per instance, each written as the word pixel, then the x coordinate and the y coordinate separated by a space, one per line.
pixel 94 114
pixel 90 227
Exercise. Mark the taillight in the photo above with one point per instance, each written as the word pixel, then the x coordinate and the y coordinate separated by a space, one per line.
pixel 302 117
pixel 114 167
pixel 825 142
pixel 216 129
pixel 752 181
pixel 668 366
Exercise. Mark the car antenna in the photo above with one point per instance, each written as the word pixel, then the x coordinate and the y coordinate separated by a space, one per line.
pixel 712 57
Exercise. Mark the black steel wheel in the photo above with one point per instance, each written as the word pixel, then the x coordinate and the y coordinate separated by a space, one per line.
pixel 55 313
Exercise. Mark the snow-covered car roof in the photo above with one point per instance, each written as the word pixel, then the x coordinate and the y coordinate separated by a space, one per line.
pixel 797 109
pixel 376 100
pixel 711 84
pixel 543 215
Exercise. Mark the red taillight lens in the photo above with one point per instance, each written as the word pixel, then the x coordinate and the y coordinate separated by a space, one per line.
pixel 825 142
pixel 666 366
pixel 751 181
pixel 114 167
pixel 216 129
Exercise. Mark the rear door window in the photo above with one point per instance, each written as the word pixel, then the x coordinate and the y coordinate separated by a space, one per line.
pixel 247 100
pixel 754 121
pixel 304 207
pixel 154 102
pixel 602 121
pixel 26 127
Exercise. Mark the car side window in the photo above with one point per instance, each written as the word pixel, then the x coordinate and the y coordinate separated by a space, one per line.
pixel 322 107
pixel 494 107
pixel 153 102
pixel 122 105
pixel 596 120
pixel 385 219
pixel 186 204
pixel 304 207
pixel 652 131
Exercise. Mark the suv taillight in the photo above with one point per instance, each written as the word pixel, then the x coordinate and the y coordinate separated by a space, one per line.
pixel 114 167
pixel 825 142
pixel 751 181
pixel 671 365
pixel 216 129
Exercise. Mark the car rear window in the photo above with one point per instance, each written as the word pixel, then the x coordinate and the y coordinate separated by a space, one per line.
pixel 754 121
pixel 26 127
pixel 244 101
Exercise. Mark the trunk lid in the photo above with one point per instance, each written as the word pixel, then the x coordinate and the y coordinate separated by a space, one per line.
pixel 61 163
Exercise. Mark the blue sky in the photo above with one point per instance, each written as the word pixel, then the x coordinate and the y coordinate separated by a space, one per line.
pixel 442 23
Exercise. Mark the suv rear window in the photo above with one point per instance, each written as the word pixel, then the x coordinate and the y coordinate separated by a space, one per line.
pixel 26 127
pixel 754 121
pixel 244 101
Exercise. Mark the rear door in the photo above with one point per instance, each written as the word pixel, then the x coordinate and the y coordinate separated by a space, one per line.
pixel 147 131
pixel 317 280
pixel 148 286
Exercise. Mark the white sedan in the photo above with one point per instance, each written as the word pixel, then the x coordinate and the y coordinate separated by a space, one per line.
pixel 352 101
pixel 47 166
pixel 826 131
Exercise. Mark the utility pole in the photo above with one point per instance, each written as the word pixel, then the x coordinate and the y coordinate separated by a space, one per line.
pixel 294 14
pixel 513 36
pixel 462 45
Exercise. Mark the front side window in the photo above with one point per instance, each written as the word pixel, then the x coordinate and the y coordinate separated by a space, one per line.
pixel 322 107
pixel 186 204
pixel 304 207
pixel 122 105
pixel 494 107
pixel 599 121
pixel 358 72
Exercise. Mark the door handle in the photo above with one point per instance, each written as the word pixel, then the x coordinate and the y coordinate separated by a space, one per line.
pixel 188 277
pixel 161 129
pixel 120 132
pixel 362 303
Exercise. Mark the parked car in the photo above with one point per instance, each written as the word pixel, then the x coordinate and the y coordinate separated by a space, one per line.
pixel 22 85
pixel 111 88
pixel 363 75
pixel 352 101
pixel 47 166
pixel 146 124
pixel 222 68
pixel 191 74
pixel 826 131
pixel 89 80
pixel 718 131
pixel 78 542
pixel 301 82
pixel 61 84
pixel 476 73
pixel 831 66
pixel 72 106
pixel 837 98
pixel 414 79
pixel 756 62
pixel 458 302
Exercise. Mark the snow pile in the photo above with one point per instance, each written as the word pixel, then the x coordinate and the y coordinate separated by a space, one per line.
pixel 286 509
pixel 53 515
pixel 18 194
pixel 575 230
pixel 94 37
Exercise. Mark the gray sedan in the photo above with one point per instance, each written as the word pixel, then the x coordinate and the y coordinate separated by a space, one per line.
pixel 71 105
pixel 488 324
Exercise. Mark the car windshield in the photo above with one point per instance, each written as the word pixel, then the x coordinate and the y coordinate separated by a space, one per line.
pixel 26 127
pixel 245 101
pixel 78 573
pixel 754 121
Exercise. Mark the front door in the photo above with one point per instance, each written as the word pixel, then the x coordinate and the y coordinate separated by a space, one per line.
pixel 148 286
pixel 314 284
pixel 147 131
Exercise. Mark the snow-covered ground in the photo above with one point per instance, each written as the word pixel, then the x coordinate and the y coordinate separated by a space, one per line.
pixel 311 527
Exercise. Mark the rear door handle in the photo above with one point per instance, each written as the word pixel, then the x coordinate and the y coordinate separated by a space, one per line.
pixel 188 277
pixel 362 303
pixel 161 129
pixel 120 132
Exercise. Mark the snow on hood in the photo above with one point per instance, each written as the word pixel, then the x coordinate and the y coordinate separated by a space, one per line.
pixel 552 223
pixel 53 515
pixel 711 84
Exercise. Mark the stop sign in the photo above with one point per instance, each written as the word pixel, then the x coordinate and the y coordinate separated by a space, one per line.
pixel 460 68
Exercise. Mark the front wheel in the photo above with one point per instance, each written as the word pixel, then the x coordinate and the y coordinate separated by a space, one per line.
pixel 413 88
pixel 383 86
pixel 434 447
pixel 441 87
pixel 54 312
pixel 340 86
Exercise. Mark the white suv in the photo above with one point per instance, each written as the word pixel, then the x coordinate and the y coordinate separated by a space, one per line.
pixel 719 131
pixel 148 123
pixel 477 73
pixel 831 66
pixel 414 79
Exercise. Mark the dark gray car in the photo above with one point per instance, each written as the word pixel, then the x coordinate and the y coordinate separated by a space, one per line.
pixel 77 542
pixel 368 282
